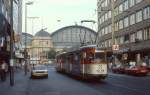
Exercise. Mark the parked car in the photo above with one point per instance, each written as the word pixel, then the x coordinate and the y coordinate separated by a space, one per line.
pixel 137 70
pixel 118 69
pixel 39 71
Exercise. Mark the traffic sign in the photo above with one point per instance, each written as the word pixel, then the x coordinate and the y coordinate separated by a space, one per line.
pixel 115 47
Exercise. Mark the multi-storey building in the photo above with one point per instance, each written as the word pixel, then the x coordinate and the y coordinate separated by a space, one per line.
pixel 5 27
pixel 131 29
pixel 17 27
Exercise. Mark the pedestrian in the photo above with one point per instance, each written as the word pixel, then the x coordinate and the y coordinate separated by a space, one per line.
pixel 4 69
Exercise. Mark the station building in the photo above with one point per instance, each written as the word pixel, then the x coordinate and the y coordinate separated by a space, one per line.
pixel 72 36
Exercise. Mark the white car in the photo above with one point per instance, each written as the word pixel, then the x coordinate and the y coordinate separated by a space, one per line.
pixel 39 71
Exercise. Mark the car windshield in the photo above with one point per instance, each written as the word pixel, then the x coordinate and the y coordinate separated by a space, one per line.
pixel 40 67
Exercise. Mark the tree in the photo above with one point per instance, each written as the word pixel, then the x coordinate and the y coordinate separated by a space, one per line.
pixel 51 54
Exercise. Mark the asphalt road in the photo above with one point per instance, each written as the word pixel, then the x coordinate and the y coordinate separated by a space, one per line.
pixel 59 84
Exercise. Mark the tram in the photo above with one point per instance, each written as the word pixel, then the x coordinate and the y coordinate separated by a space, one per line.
pixel 86 62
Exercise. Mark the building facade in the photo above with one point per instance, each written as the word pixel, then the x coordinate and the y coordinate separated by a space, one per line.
pixel 41 45
pixel 26 38
pixel 71 36
pixel 17 28
pixel 131 29
pixel 5 27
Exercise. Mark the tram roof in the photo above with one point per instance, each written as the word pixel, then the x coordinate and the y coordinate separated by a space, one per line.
pixel 88 46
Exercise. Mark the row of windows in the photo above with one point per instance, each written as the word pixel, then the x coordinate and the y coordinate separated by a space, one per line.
pixel 4 10
pixel 126 5
pixel 105 17
pixel 119 9
pixel 105 30
pixel 129 20
pixel 133 18
pixel 134 37
pixel 74 35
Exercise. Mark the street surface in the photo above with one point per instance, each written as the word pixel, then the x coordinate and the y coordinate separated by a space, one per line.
pixel 58 84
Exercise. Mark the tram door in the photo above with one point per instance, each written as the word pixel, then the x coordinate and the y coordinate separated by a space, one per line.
pixel 76 65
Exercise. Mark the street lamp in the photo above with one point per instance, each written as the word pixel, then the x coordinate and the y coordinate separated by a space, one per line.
pixel 25 50
pixel 11 63
pixel 32 18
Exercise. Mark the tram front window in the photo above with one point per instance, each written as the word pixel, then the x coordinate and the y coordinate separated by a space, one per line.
pixel 99 57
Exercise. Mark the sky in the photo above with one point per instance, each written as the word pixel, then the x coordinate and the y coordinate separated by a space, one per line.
pixel 55 14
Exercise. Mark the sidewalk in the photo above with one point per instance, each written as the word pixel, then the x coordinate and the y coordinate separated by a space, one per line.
pixel 20 85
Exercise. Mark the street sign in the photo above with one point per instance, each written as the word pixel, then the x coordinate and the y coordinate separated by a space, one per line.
pixel 115 47
pixel 11 62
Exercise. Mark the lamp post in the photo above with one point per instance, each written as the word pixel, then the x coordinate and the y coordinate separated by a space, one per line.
pixel 113 30
pixel 32 18
pixel 25 50
pixel 11 63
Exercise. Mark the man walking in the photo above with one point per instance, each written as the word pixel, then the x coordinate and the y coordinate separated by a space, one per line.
pixel 4 69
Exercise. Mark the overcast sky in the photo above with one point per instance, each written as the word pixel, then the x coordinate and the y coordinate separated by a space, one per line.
pixel 68 11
